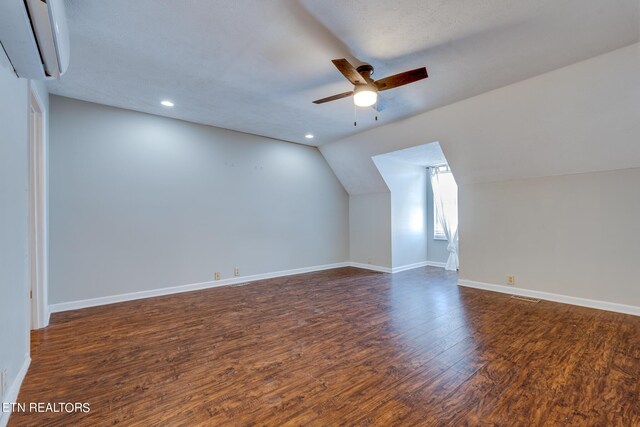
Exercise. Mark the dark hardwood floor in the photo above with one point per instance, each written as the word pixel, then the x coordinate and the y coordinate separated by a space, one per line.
pixel 340 347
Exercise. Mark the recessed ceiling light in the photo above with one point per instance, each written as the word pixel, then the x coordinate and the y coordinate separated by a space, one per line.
pixel 309 136
pixel 167 103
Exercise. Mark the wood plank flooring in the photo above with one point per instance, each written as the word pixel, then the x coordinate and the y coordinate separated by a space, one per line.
pixel 339 347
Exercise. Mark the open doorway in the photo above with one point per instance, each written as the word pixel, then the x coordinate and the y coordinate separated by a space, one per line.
pixel 37 214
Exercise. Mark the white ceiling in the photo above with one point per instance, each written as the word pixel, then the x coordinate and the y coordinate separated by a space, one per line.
pixel 255 65
pixel 422 155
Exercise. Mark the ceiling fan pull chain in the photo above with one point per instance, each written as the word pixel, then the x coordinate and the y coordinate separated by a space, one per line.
pixel 355 123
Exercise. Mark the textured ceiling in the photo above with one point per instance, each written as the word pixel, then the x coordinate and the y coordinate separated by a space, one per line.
pixel 256 65
pixel 422 155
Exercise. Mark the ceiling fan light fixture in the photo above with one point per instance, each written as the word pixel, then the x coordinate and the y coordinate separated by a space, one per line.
pixel 365 97
pixel 365 91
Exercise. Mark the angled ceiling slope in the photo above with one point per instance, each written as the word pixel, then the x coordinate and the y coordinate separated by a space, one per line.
pixel 425 155
pixel 255 66
pixel 580 118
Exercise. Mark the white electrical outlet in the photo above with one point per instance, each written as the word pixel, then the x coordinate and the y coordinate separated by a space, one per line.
pixel 369 260
pixel 236 271
pixel 511 280
pixel 216 276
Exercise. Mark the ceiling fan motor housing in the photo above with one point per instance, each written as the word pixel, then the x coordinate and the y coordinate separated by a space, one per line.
pixel 366 70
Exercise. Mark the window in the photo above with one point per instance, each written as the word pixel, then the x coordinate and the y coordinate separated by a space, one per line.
pixel 449 193
pixel 438 231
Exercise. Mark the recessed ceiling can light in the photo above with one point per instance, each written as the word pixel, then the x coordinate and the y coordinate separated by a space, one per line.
pixel 309 136
pixel 167 103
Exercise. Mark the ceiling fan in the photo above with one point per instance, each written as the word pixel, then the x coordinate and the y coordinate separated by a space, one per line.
pixel 365 91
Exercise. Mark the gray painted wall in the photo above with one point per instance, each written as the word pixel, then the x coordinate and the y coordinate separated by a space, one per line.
pixel 573 235
pixel 407 184
pixel 436 249
pixel 14 309
pixel 141 202
pixel 370 228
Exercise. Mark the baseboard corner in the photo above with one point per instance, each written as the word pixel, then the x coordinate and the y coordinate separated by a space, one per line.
pixel 371 267
pixel 418 265
pixel 14 390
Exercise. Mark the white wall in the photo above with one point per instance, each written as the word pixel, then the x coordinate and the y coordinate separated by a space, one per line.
pixel 370 229
pixel 407 184
pixel 575 235
pixel 141 202
pixel 14 309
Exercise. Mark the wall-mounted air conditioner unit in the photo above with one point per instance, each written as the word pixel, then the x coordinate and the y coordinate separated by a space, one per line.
pixel 35 36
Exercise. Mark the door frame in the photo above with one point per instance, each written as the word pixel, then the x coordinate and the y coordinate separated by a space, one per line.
pixel 38 232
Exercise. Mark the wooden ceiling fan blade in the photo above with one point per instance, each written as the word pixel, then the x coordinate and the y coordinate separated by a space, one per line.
pixel 401 79
pixel 333 98
pixel 349 71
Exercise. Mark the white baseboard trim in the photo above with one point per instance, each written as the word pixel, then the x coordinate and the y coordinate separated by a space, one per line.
pixel 408 267
pixel 12 393
pixel 372 267
pixel 112 299
pixel 564 299
pixel 436 264
pixel 397 269
pixel 418 265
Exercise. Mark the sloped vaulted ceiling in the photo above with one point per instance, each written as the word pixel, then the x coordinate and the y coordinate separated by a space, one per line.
pixel 581 118
pixel 255 65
